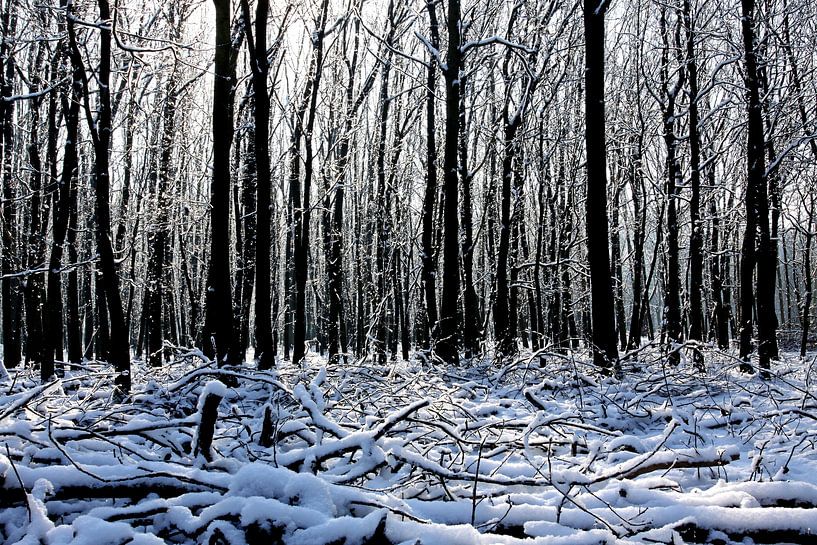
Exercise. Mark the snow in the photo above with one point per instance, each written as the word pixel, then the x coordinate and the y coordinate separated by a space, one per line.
pixel 411 453
pixel 214 387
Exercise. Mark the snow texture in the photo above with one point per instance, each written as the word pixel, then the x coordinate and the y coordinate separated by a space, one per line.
pixel 405 454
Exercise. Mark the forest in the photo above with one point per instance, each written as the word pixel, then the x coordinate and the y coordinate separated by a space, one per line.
pixel 408 272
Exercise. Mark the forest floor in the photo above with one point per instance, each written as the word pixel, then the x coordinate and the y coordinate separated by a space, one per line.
pixel 544 452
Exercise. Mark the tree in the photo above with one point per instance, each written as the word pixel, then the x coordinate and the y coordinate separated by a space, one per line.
pixel 219 326
pixel 428 250
pixel 672 290
pixel 756 239
pixel 264 350
pixel 303 130
pixel 696 282
pixel 605 352
pixel 100 129
pixel 8 210
pixel 448 331
pixel 504 308
pixel 63 195
pixel 159 252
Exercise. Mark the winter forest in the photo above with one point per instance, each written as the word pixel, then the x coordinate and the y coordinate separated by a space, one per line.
pixel 417 272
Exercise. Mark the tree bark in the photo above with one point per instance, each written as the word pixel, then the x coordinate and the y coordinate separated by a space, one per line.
pixel 429 270
pixel 119 355
pixel 605 352
pixel 52 322
pixel 301 208
pixel 38 218
pixel 160 242
pixel 805 311
pixel 696 282
pixel 756 239
pixel 11 292
pixel 264 352
pixel 448 333
pixel 470 320
pixel 219 327
pixel 672 326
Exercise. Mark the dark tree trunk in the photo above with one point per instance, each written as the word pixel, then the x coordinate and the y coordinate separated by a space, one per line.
pixel 505 313
pixel 382 207
pixel 52 322
pixel 429 270
pixel 289 281
pixel 264 352
pixel 192 292
pixel 672 327
pixel 718 267
pixel 405 340
pixel 102 325
pixel 696 267
pixel 768 250
pixel 553 280
pixel 672 289
pixel 617 275
pixel 127 177
pixel 119 355
pixel 334 263
pixel 33 288
pixel 640 221
pixel 527 322
pixel 805 310
pixel 159 249
pixel 756 240
pixel 605 352
pixel 503 324
pixel 470 319
pixel 73 323
pixel 302 208
pixel 246 259
pixel 448 333
pixel 538 320
pixel 11 293
pixel 219 327
pixel 360 299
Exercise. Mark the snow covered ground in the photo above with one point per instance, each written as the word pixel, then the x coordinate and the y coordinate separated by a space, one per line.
pixel 413 454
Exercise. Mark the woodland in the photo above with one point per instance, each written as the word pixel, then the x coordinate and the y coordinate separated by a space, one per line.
pixel 408 272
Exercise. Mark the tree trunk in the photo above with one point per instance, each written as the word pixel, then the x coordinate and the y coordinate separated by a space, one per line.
pixel 36 240
pixel 470 319
pixel 160 243
pixel 52 322
pixel 11 293
pixel 119 355
pixel 617 275
pixel 805 311
pixel 718 267
pixel 219 327
pixel 672 327
pixel 756 240
pixel 334 263
pixel 605 352
pixel 429 270
pixel 503 326
pixel 448 333
pixel 382 212
pixel 264 351
pixel 73 324
pixel 302 210
pixel 696 282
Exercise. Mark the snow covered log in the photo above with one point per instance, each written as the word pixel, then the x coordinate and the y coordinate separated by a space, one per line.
pixel 209 401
